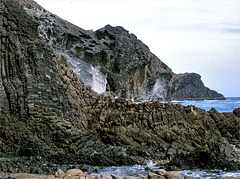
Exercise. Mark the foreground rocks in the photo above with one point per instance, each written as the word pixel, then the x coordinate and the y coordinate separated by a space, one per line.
pixel 154 174
pixel 78 174
pixel 162 131
pixel 48 116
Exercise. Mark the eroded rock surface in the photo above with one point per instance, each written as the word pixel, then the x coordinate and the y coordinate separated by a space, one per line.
pixel 44 105
pixel 115 62
pixel 48 115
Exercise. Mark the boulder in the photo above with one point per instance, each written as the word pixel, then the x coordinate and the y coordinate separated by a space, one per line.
pixel 74 172
pixel 173 175
pixel 105 177
pixel 133 177
pixel 159 171
pixel 60 174
pixel 237 112
pixel 152 175
pixel 142 176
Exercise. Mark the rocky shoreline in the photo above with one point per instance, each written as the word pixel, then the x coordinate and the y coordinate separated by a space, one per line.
pixel 50 119
pixel 79 174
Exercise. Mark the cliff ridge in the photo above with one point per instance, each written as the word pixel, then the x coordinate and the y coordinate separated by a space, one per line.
pixel 114 62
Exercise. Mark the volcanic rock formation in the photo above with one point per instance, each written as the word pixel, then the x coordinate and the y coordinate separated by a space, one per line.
pixel 48 114
pixel 115 62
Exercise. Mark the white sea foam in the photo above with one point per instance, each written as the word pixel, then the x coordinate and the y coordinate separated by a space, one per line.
pixel 150 163
pixel 209 173
pixel 176 101
pixel 236 149
pixel 134 170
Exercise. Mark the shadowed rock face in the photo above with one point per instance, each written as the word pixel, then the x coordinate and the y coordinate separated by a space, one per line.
pixel 44 105
pixel 113 61
pixel 46 110
pixel 189 86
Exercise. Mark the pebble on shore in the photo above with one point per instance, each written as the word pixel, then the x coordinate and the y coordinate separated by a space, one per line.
pixel 79 174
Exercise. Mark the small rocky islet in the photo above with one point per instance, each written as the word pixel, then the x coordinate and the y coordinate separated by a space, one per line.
pixel 50 118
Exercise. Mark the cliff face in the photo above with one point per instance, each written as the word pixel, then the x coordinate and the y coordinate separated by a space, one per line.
pixel 190 86
pixel 113 61
pixel 44 105
pixel 32 78
pixel 46 110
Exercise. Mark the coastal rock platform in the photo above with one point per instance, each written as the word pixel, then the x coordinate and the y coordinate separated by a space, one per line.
pixel 78 174
pixel 50 118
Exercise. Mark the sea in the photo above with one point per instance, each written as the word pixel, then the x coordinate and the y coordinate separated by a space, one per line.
pixel 227 105
pixel 131 171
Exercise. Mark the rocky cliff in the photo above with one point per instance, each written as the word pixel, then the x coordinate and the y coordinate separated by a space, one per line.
pixel 48 114
pixel 44 105
pixel 113 61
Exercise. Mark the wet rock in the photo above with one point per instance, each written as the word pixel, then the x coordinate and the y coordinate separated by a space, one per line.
pixel 203 160
pixel 87 168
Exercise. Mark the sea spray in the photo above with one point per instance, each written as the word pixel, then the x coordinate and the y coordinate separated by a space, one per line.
pixel 209 173
pixel 130 171
pixel 125 171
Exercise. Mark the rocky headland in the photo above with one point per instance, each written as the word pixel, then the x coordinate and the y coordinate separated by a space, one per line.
pixel 50 118
pixel 114 62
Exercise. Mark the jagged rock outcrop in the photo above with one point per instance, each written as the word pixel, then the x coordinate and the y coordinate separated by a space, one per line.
pixel 163 131
pixel 114 61
pixel 190 86
pixel 43 103
pixel 46 111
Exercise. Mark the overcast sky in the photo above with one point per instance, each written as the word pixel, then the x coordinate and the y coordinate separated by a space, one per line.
pixel 201 36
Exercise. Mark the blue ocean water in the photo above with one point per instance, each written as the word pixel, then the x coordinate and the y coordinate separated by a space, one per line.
pixel 227 105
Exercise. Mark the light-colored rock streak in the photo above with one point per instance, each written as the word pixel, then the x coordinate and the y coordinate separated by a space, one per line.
pixel 90 75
